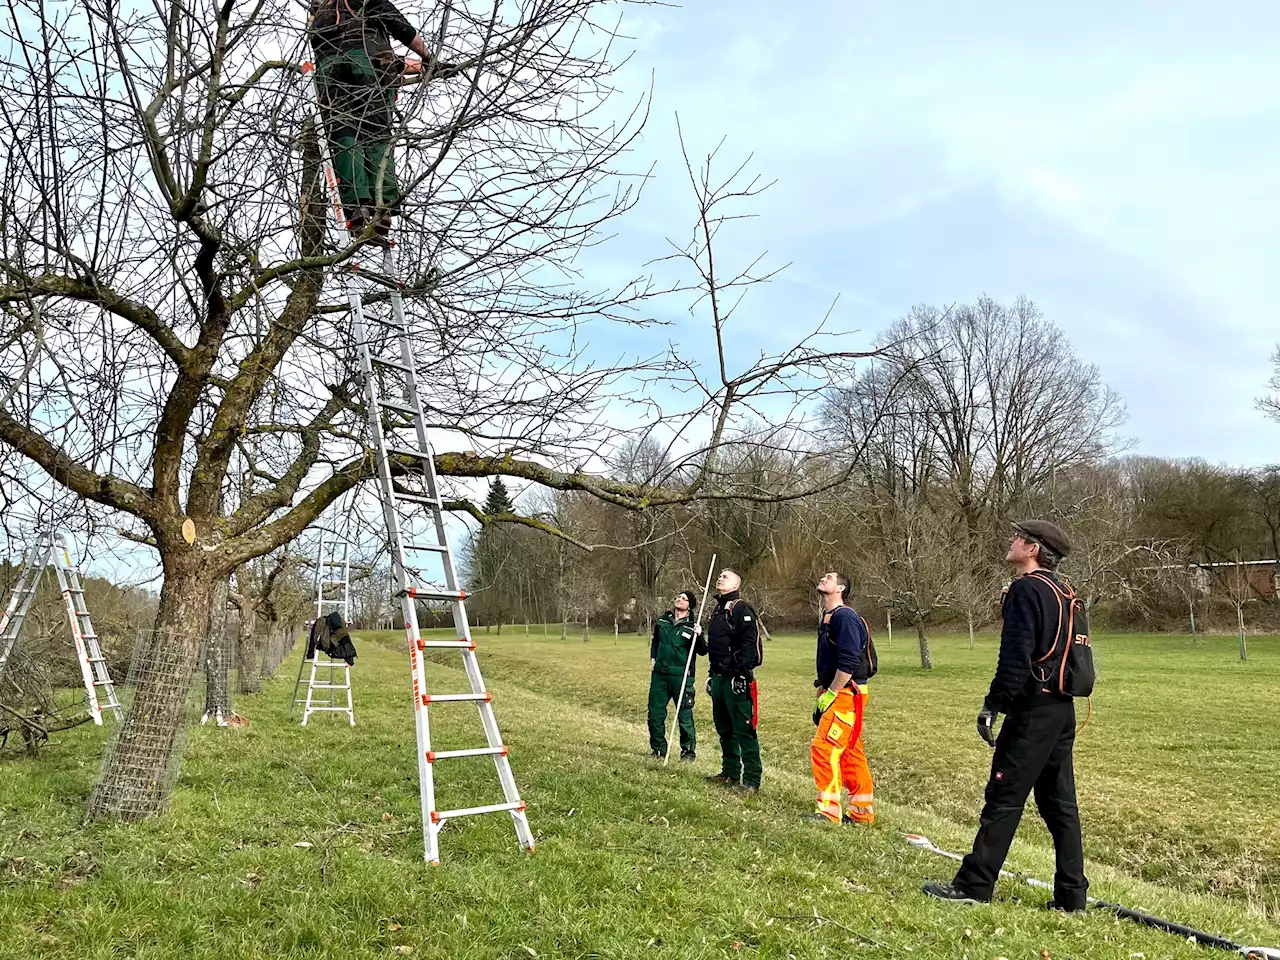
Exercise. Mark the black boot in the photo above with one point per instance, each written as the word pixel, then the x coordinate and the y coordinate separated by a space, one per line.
pixel 949 891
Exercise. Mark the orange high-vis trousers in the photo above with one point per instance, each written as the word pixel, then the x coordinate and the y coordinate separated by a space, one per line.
pixel 839 758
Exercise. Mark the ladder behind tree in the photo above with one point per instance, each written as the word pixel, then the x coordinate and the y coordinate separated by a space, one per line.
pixel 325 694
pixel 414 516
pixel 52 547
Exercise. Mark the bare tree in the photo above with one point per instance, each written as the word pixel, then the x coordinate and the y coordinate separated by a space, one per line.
pixel 1004 403
pixel 166 257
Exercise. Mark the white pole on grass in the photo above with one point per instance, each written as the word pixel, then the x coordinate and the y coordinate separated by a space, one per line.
pixel 706 588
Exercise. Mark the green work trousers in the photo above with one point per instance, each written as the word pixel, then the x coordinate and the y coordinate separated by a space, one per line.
pixel 735 716
pixel 663 689
pixel 356 102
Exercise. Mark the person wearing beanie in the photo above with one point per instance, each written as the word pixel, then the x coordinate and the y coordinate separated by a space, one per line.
pixel 673 634
pixel 1034 748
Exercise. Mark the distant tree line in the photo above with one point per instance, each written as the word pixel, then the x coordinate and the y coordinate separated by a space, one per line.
pixel 968 418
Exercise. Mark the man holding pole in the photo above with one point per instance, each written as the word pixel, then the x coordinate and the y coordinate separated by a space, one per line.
pixel 676 637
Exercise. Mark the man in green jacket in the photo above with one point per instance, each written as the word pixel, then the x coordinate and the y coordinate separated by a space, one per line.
pixel 357 75
pixel 673 633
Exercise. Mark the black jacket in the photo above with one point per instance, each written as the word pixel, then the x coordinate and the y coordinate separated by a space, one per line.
pixel 340 25
pixel 733 638
pixel 1031 614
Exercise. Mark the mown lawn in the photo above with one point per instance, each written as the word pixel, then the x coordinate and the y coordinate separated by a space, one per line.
pixel 1176 776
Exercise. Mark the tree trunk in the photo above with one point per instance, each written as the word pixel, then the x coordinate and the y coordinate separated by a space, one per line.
pixel 1244 647
pixel 217 661
pixel 586 628
pixel 1191 606
pixel 615 630
pixel 142 761
pixel 499 627
pixel 971 643
pixel 564 629
pixel 926 659
pixel 248 656
pixel 888 619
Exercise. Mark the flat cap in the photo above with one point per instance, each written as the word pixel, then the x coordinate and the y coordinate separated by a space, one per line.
pixel 1050 534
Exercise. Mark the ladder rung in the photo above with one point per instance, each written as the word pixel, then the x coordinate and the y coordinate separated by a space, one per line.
pixel 96 659
pixel 410 452
pixel 430 698
pixel 434 755
pixel 418 498
pixel 382 278
pixel 74 590
pixel 391 364
pixel 330 686
pixel 89 636
pixel 438 815
pixel 102 683
pixel 432 593
pixel 314 709
pixel 454 644
pixel 398 407
pixel 432 547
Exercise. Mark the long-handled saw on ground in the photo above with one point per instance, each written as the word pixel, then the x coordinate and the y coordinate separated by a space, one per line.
pixel 1146 919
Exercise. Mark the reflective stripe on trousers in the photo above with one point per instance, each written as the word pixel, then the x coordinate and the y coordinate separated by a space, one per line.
pixel 839 758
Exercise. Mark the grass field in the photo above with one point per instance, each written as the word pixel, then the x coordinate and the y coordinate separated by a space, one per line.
pixel 1176 772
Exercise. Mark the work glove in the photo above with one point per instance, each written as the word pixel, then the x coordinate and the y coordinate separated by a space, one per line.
pixel 826 699
pixel 708 686
pixel 738 685
pixel 987 726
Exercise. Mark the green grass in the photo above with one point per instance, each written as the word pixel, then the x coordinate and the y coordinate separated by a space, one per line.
pixel 635 860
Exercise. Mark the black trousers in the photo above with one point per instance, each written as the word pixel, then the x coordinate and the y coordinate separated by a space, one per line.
pixel 1033 753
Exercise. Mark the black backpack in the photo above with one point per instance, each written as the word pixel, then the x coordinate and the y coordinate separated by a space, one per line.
pixel 1067 668
pixel 869 659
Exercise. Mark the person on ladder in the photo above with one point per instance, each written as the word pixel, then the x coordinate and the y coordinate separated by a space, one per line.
pixel 673 633
pixel 356 78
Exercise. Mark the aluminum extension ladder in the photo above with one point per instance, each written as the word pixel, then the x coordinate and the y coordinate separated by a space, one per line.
pixel 52 547
pixel 324 692
pixel 433 576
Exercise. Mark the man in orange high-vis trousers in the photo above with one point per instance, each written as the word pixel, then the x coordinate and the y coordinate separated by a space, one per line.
pixel 843 669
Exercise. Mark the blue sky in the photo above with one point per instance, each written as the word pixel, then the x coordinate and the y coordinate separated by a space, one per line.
pixel 1116 162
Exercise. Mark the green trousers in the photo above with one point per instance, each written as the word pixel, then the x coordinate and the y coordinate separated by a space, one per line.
pixel 735 718
pixel 663 689
pixel 356 103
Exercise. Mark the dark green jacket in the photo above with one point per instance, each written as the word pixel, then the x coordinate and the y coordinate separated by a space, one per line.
pixel 670 646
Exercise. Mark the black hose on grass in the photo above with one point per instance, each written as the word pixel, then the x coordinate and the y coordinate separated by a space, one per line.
pixel 1137 916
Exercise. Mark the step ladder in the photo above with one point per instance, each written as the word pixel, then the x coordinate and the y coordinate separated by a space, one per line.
pixel 409 490
pixel 52 547
pixel 324 693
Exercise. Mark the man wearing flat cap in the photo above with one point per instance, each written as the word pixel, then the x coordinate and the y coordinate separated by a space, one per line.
pixel 1033 750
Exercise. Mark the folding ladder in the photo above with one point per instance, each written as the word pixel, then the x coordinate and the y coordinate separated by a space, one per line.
pixel 49 546
pixel 407 483
pixel 324 692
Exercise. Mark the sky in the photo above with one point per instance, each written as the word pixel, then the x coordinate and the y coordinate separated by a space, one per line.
pixel 1116 162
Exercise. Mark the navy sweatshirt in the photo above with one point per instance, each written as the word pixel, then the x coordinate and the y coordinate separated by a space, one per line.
pixel 842 641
